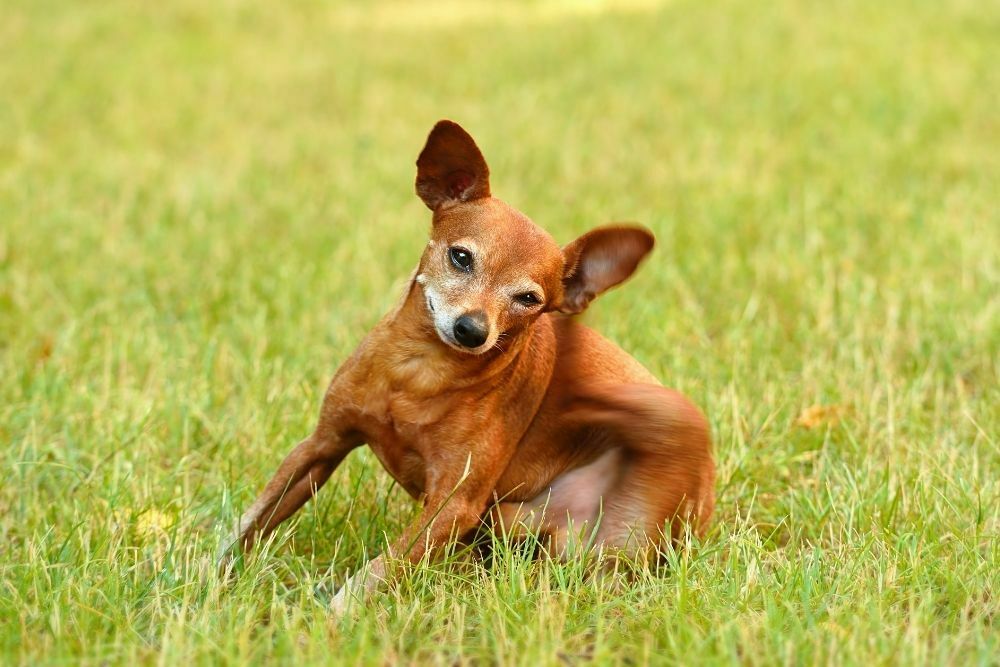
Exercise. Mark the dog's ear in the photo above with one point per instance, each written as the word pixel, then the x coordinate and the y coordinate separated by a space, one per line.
pixel 599 260
pixel 450 167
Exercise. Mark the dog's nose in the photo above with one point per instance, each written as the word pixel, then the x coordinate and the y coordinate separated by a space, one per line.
pixel 471 329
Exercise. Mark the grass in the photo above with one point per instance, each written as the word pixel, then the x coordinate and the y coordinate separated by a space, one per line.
pixel 204 207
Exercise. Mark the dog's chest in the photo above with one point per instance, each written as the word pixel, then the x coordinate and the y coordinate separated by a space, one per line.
pixel 397 432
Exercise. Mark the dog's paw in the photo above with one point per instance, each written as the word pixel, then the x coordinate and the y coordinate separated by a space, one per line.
pixel 356 590
pixel 225 565
pixel 229 554
pixel 340 605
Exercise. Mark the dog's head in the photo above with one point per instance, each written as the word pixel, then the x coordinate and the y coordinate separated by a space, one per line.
pixel 488 271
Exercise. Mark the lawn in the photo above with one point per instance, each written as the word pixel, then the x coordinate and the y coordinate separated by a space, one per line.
pixel 205 206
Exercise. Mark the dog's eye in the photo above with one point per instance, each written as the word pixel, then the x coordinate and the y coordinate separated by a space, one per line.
pixel 461 258
pixel 529 299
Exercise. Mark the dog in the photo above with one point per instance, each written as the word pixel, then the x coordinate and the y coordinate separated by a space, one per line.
pixel 485 399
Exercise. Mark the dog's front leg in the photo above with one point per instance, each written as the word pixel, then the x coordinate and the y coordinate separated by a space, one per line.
pixel 304 470
pixel 453 506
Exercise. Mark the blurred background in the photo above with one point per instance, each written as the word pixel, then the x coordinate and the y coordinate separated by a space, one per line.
pixel 205 206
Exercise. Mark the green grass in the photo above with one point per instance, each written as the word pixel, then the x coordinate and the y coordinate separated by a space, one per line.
pixel 204 207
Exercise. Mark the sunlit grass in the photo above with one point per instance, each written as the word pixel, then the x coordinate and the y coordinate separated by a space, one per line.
pixel 204 207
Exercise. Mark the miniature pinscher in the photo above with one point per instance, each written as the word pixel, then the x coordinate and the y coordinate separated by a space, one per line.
pixel 486 401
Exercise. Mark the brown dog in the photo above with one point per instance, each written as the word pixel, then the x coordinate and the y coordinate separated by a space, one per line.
pixel 482 399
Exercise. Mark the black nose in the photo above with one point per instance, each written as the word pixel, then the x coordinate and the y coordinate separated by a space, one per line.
pixel 471 330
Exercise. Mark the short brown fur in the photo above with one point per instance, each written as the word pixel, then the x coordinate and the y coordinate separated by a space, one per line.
pixel 545 426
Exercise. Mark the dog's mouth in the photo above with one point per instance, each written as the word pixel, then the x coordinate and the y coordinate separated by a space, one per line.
pixel 450 341
pixel 447 337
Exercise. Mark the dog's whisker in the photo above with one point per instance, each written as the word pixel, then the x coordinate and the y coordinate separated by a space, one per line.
pixel 497 345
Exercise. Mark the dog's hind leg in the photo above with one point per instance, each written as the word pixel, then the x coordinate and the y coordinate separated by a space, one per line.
pixel 669 475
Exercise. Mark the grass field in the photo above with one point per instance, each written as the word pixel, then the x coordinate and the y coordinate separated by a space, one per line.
pixel 204 207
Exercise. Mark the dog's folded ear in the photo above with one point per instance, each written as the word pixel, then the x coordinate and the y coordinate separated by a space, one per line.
pixel 450 167
pixel 599 260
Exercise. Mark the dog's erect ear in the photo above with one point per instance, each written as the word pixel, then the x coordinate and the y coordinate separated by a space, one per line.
pixel 599 260
pixel 451 168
